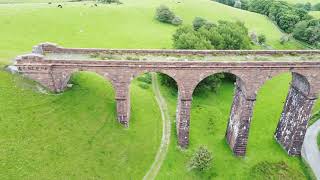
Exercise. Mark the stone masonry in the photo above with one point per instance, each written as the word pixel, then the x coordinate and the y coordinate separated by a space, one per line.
pixel 305 86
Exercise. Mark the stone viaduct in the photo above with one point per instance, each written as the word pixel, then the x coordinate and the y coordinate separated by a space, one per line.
pixel 304 89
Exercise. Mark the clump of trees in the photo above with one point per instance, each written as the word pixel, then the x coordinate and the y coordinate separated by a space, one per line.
pixel 165 15
pixel 201 160
pixel 284 14
pixel 291 18
pixel 207 35
pixel 308 31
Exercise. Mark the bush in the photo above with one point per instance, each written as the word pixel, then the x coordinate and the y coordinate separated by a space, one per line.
pixel 307 6
pixel 198 22
pixel 262 38
pixel 146 78
pixel 164 14
pixel 201 160
pixel 176 21
pixel 210 83
pixel 109 1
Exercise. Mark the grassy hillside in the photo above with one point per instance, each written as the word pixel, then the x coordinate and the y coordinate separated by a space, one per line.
pixel 315 14
pixel 74 134
pixel 80 25
pixel 209 118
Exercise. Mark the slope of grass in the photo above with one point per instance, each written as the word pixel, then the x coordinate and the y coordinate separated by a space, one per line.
pixel 31 1
pixel 303 1
pixel 74 135
pixel 209 118
pixel 130 25
pixel 315 14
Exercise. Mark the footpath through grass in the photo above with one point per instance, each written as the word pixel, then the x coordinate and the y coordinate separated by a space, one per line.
pixel 75 135
pixel 209 118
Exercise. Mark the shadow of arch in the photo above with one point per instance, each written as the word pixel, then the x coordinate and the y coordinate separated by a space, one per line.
pixel 90 80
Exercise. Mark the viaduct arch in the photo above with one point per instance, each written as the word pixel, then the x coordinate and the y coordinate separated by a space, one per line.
pixel 251 75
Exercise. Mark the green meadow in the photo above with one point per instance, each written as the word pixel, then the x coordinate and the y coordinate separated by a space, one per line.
pixel 75 134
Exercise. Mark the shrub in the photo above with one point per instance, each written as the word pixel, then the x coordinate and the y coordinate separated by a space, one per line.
pixel 109 1
pixel 146 78
pixel 307 6
pixel 176 21
pixel 262 38
pixel 201 160
pixel 198 22
pixel 165 15
pixel 210 83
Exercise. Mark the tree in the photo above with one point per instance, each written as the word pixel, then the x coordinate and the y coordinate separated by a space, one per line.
pixel 198 22
pixel 164 14
pixel 308 31
pixel 201 160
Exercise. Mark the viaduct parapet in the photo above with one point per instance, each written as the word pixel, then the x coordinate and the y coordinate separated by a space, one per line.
pixel 250 76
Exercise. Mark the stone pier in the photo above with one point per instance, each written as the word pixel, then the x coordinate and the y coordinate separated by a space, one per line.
pixel 294 119
pixel 239 122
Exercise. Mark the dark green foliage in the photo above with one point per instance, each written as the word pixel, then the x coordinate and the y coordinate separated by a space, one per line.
pixel 267 170
pixel 165 15
pixel 210 83
pixel 146 78
pixel 204 35
pixel 201 160
pixel 262 38
pixel 168 81
pixel 198 22
pixel 109 1
pixel 241 4
pixel 284 14
pixel 307 6
pixel 308 31
pixel 316 7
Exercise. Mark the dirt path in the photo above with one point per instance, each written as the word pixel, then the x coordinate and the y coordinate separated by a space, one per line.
pixel 163 149
pixel 310 150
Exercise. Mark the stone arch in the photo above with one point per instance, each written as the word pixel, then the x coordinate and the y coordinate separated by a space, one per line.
pixel 240 79
pixel 61 77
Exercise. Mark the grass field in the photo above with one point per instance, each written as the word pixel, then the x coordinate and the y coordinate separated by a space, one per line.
pixel 315 14
pixel 75 134
pixel 80 25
